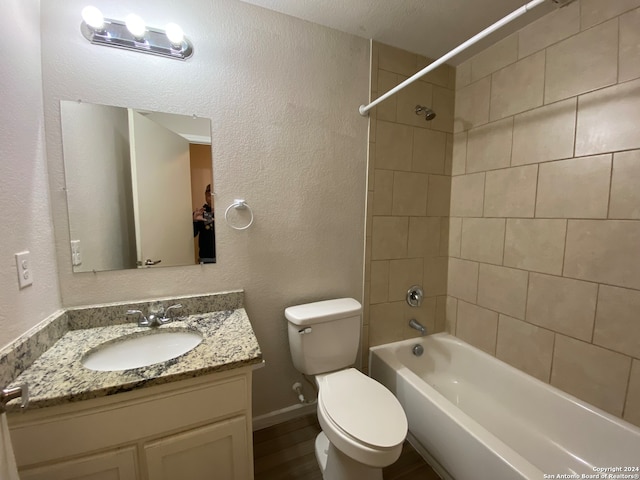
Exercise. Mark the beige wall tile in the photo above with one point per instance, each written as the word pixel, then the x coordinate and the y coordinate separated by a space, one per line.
pixel 417 93
pixel 497 56
pixel 604 251
pixel 424 237
pixel 386 323
pixel 435 276
pixel 440 76
pixel 393 146
pixel 389 237
pixel 383 192
pixel 396 60
pixel 410 193
pixel 448 157
pixel 444 236
pixel 483 239
pixel 459 160
pixel 596 11
pixel 551 28
pixel 525 346
pixel 402 274
pixel 489 146
pixel 608 119
pixel 371 167
pixel 379 288
pixel 455 236
pixel 582 63
pixel 463 74
pixel 439 196
pixel 467 193
pixel 373 123
pixel 472 105
pixel 429 149
pixel 591 373
pixel 511 192
pixel 625 193
pixel 563 305
pixel 629 66
pixel 536 245
pixel 452 315
pixel 477 326
pixel 617 320
pixel 546 133
pixel 386 110
pixel 462 279
pixel 576 188
pixel 503 289
pixel 632 405
pixel 518 87
pixel 443 105
pixel 441 314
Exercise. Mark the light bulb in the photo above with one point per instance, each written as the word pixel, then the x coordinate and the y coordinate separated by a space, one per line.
pixel 135 25
pixel 93 17
pixel 174 34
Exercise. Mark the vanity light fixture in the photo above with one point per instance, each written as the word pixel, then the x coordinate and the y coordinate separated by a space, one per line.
pixel 133 34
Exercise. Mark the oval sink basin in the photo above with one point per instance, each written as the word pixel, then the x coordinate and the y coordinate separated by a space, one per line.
pixel 141 350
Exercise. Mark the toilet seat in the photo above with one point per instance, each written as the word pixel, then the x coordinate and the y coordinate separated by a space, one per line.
pixel 361 416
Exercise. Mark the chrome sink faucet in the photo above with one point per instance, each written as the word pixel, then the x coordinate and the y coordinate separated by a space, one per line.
pixel 413 323
pixel 160 316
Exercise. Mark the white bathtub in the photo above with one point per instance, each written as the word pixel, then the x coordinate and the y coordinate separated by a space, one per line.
pixel 474 417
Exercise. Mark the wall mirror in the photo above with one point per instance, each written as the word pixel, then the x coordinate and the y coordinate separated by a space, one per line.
pixel 136 185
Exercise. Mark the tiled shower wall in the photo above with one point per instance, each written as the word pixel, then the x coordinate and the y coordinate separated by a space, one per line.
pixel 408 200
pixel 544 268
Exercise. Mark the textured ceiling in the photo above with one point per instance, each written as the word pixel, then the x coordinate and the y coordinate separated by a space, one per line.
pixel 428 27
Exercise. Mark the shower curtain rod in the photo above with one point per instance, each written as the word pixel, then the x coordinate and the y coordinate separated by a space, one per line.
pixel 500 23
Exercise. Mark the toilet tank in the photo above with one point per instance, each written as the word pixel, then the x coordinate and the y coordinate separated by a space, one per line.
pixel 324 336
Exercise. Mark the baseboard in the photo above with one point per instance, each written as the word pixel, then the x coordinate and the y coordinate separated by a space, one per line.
pixel 282 415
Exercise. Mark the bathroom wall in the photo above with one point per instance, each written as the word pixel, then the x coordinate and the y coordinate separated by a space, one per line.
pixel 545 206
pixel 408 197
pixel 25 213
pixel 283 97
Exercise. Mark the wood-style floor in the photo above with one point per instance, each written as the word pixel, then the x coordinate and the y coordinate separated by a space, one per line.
pixel 286 452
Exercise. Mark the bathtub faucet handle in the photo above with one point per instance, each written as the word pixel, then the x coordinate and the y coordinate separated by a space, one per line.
pixel 415 296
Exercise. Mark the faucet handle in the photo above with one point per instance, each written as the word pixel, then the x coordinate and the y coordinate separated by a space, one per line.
pixel 142 320
pixel 415 294
pixel 167 317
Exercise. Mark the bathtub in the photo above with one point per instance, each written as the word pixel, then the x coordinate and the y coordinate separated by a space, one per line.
pixel 473 417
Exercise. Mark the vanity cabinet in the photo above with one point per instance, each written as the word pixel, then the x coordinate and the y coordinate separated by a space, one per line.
pixel 192 429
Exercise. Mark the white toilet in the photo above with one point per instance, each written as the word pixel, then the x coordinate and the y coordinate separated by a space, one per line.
pixel 363 424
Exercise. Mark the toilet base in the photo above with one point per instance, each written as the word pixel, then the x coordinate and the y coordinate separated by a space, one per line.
pixel 335 465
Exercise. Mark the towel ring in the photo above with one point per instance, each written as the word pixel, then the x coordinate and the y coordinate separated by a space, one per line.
pixel 238 204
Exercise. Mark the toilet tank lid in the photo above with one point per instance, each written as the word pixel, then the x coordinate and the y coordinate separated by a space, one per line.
pixel 324 311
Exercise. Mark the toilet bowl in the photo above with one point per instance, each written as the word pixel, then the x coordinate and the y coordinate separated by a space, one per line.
pixel 363 424
pixel 361 417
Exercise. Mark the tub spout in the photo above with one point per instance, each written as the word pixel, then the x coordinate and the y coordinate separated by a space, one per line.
pixel 413 323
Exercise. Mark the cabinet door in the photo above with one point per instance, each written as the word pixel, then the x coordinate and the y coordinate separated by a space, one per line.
pixel 217 451
pixel 112 465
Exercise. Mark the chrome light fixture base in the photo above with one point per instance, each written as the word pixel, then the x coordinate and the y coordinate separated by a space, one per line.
pixel 154 42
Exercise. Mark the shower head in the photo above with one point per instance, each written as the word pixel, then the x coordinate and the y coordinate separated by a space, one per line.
pixel 426 111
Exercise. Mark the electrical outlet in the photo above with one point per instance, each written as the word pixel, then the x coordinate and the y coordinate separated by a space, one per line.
pixel 76 254
pixel 23 263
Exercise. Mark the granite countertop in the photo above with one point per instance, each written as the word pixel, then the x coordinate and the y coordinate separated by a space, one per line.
pixel 58 376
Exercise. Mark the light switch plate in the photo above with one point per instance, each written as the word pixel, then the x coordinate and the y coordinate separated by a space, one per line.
pixel 23 264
